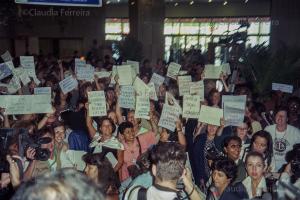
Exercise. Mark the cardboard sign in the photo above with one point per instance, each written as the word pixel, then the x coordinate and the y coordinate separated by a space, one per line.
pixel 97 103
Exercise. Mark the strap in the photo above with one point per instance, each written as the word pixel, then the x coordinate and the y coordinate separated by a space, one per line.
pixel 140 194
pixel 139 143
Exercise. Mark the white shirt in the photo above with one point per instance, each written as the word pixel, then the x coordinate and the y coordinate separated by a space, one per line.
pixel 155 194
pixel 262 187
pixel 283 142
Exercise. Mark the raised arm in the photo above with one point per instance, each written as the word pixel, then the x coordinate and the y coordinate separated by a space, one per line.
pixel 89 123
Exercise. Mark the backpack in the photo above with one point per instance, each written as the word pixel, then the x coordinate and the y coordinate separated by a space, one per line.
pixel 141 193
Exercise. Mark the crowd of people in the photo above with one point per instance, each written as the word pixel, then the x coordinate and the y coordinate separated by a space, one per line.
pixel 132 158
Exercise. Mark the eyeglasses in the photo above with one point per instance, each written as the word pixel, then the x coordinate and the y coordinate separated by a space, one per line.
pixel 235 146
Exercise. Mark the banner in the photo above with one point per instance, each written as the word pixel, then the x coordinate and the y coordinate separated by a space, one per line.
pixel 85 3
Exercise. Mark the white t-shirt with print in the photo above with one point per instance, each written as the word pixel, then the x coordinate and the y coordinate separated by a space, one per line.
pixel 283 142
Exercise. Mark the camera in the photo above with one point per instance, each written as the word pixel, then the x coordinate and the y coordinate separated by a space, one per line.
pixel 213 154
pixel 295 162
pixel 27 141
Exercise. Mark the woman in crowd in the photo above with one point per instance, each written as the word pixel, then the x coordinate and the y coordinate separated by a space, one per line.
pixel 104 141
pixel 59 143
pixel 100 171
pixel 175 136
pixel 244 132
pixel 223 174
pixel 202 145
pixel 255 183
pixel 261 142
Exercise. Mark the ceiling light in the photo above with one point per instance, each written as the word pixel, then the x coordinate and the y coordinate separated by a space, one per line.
pixel 176 4
pixel 192 2
pixel 132 3
pixel 108 2
pixel 209 1
pixel 246 1
pixel 225 3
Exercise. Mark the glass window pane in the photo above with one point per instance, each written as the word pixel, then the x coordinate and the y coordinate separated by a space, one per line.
pixel 175 28
pixel 252 41
pixel 168 28
pixel 216 39
pixel 205 28
pixel 113 37
pixel 220 28
pixel 179 42
pixel 233 26
pixel 126 28
pixel 191 40
pixel 265 27
pixel 113 27
pixel 189 28
pixel 265 39
pixel 168 41
pixel 254 28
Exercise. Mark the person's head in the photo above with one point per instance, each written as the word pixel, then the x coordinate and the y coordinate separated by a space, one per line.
pixel 224 171
pixel 168 159
pixel 112 115
pixel 46 132
pixel 294 105
pixel 214 97
pixel 245 129
pixel 110 94
pixel 99 169
pixel 232 147
pixel 212 129
pixel 132 119
pixel 126 130
pixel 67 184
pixel 262 142
pixel 106 127
pixel 255 165
pixel 84 89
pixel 281 117
pixel 60 96
pixel 59 132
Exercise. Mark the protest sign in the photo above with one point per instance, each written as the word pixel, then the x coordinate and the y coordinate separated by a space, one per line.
pixel 234 99
pixel 191 106
pixel 226 68
pixel 210 115
pixel 282 87
pixel 103 74
pixel 234 113
pixel 168 117
pixel 197 88
pixel 184 85
pixel 173 70
pixel 73 159
pixel 135 65
pixel 68 84
pixel 6 56
pixel 5 71
pixel 212 72
pixel 26 104
pixel 142 107
pixel 125 74
pixel 79 63
pixel 42 90
pixel 97 103
pixel 157 79
pixel 141 88
pixel 152 91
pixel 171 101
pixel 127 97
pixel 85 73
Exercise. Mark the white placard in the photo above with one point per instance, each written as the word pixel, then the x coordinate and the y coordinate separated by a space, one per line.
pixel 68 84
pixel 173 70
pixel 191 106
pixel 125 74
pixel 141 88
pixel 282 87
pixel 184 85
pixel 142 107
pixel 26 104
pixel 210 115
pixel 6 56
pixel 157 79
pixel 234 113
pixel 168 117
pixel 97 103
pixel 212 72
pixel 152 91
pixel 226 68
pixel 85 73
pixel 127 97
pixel 5 71
pixel 135 65
pixel 103 74
pixel 234 99
pixel 42 90
pixel 197 88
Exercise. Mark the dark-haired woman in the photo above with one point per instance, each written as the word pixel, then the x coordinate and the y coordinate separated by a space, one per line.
pixel 104 142
pixel 223 174
pixel 261 142
pixel 99 169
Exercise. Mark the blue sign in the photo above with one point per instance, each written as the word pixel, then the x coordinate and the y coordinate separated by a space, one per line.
pixel 87 3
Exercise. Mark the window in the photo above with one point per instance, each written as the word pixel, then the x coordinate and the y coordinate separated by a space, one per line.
pixel 116 29
pixel 182 33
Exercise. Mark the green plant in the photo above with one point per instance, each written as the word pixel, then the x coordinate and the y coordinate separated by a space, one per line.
pixel 261 67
